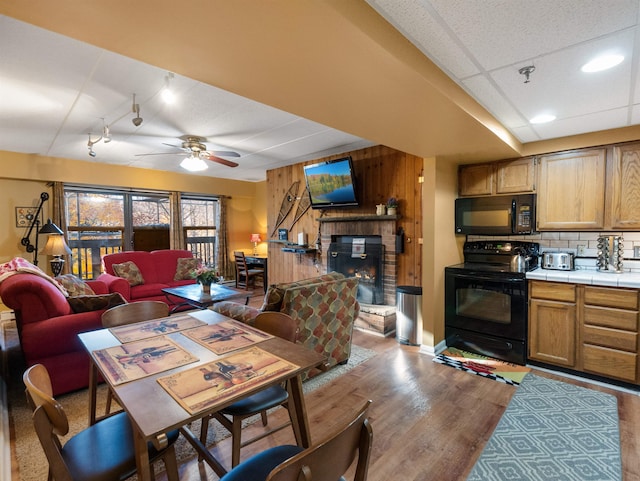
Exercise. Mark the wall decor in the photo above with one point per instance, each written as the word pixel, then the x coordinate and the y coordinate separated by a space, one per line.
pixel 25 215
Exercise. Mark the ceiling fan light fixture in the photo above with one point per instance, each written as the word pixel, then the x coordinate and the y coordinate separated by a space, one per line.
pixel 193 163
pixel 603 62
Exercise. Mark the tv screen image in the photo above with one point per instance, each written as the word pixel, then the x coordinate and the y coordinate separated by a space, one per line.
pixel 331 184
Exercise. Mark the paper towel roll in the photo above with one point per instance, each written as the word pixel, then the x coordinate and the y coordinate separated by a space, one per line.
pixel 301 239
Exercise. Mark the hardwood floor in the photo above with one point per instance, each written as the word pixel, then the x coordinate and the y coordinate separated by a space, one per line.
pixel 430 421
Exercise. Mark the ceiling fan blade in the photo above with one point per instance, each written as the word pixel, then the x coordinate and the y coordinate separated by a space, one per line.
pixel 225 153
pixel 159 153
pixel 177 147
pixel 219 160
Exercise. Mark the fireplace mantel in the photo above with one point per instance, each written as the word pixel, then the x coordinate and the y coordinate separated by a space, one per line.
pixel 359 218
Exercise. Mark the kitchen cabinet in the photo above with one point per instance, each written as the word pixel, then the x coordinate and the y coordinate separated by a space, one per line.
pixel 571 190
pixel 476 179
pixel 505 177
pixel 516 176
pixel 552 323
pixel 623 187
pixel 610 332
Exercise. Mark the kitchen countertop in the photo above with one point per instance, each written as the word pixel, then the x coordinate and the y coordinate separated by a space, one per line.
pixel 587 276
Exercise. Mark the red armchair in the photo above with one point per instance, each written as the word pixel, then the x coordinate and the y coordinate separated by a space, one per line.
pixel 48 328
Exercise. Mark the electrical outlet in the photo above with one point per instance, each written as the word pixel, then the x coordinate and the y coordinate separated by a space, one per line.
pixel 581 248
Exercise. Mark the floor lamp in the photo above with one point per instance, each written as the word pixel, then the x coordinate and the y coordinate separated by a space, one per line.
pixel 55 246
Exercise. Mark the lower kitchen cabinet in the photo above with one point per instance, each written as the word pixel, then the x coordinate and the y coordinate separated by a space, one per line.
pixel 610 332
pixel 585 328
pixel 552 323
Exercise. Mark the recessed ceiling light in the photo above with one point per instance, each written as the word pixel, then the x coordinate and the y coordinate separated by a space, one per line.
pixel 601 63
pixel 542 119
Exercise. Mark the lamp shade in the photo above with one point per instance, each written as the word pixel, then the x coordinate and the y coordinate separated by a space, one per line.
pixel 255 238
pixel 56 246
pixel 50 228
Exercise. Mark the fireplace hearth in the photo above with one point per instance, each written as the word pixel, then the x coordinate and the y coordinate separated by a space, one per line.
pixel 361 257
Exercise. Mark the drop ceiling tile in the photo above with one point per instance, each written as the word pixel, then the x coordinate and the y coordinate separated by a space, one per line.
pixel 503 32
pixel 418 22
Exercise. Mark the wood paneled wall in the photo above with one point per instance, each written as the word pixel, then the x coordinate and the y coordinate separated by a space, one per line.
pixel 381 172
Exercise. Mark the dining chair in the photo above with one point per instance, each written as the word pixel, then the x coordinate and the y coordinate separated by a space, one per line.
pixel 103 451
pixel 326 461
pixel 244 275
pixel 277 324
pixel 128 314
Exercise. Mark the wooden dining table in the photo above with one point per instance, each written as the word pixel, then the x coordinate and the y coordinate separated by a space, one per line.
pixel 154 412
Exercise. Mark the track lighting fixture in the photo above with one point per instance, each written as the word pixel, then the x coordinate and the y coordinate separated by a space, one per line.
pixel 91 143
pixel 137 120
pixel 106 134
pixel 167 94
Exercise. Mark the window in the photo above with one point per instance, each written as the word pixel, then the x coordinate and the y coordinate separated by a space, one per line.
pixel 103 221
pixel 199 220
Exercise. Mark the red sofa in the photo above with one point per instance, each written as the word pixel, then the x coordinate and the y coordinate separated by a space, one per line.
pixel 158 269
pixel 48 328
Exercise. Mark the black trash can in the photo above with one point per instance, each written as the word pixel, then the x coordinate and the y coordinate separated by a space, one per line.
pixel 409 315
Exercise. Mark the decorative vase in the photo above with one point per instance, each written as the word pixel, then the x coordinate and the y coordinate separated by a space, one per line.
pixel 206 288
pixel 392 210
pixel 380 209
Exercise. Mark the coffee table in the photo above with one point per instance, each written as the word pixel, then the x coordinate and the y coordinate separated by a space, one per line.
pixel 192 295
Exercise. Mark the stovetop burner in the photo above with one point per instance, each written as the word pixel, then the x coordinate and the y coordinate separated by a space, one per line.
pixel 497 256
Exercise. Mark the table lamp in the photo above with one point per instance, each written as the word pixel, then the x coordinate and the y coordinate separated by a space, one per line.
pixel 56 247
pixel 255 238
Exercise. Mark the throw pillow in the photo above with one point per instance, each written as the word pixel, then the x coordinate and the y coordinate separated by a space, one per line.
pixel 74 285
pixel 185 268
pixel 129 271
pixel 96 302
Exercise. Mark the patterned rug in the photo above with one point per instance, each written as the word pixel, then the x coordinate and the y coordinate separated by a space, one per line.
pixel 488 367
pixel 553 431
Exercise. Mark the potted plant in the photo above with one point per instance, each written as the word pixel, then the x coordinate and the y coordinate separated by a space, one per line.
pixel 206 275
pixel 392 206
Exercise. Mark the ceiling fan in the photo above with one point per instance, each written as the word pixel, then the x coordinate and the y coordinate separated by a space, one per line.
pixel 197 150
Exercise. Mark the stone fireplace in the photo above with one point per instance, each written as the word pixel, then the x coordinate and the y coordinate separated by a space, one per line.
pixel 377 231
pixel 361 257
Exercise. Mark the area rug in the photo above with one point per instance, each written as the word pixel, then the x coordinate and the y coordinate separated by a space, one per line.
pixel 488 367
pixel 553 431
pixel 32 464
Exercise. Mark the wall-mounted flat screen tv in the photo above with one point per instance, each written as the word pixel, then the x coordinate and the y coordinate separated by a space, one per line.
pixel 331 184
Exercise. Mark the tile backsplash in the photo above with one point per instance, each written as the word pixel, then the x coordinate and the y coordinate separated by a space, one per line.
pixel 584 245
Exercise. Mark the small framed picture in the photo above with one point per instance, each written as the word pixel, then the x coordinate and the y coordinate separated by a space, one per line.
pixel 25 216
pixel 283 234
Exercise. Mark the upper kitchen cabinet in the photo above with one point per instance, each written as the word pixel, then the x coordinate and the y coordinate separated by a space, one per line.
pixel 571 190
pixel 505 177
pixel 476 179
pixel 623 187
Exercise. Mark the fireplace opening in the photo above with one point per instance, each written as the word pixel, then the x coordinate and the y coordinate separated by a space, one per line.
pixel 361 257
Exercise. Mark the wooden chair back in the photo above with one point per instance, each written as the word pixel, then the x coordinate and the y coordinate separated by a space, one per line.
pixel 134 312
pixel 241 262
pixel 330 459
pixel 40 395
pixel 278 324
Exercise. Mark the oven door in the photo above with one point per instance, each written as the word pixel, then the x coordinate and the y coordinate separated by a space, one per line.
pixel 487 303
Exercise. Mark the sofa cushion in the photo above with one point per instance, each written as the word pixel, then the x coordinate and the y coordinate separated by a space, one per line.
pixel 129 270
pixel 185 268
pixel 75 286
pixel 96 302
pixel 275 293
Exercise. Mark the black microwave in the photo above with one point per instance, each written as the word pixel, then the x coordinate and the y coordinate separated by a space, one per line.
pixel 496 215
